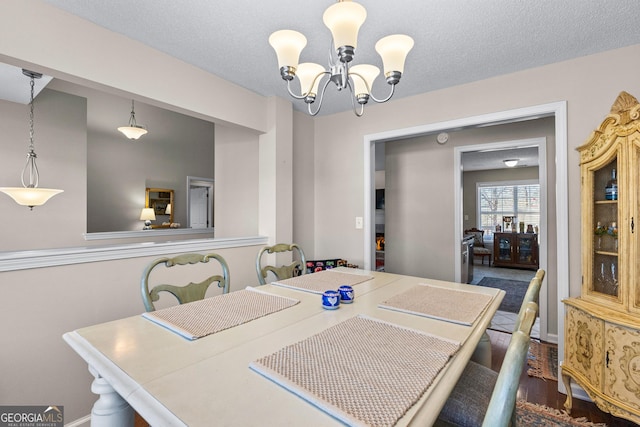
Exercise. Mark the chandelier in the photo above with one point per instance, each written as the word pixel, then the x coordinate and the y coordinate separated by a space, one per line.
pixel 133 130
pixel 344 20
pixel 29 194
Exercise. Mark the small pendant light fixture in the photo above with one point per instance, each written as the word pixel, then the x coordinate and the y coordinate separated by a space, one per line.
pixel 134 130
pixel 29 194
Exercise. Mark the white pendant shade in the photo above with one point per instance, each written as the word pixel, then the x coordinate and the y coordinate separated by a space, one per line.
pixel 288 44
pixel 306 72
pixel 344 19
pixel 132 132
pixel 30 196
pixel 363 73
pixel 393 50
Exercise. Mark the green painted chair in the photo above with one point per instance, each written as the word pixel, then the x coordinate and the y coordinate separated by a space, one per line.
pixel 483 397
pixel 297 267
pixel 186 293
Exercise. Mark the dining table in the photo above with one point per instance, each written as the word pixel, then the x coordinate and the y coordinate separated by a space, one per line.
pixel 286 364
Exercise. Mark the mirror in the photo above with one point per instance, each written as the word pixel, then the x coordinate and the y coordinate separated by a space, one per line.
pixel 161 201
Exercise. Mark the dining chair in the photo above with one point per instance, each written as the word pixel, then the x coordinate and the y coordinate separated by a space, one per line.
pixel 483 397
pixel 478 380
pixel 482 353
pixel 185 293
pixel 296 268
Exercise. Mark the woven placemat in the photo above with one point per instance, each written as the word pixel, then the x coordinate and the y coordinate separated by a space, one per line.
pixel 362 371
pixel 451 305
pixel 205 317
pixel 323 281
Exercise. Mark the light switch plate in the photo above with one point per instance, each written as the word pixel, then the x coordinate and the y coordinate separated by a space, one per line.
pixel 359 222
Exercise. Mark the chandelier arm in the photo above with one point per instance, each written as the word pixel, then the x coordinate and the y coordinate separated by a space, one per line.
pixel 353 101
pixel 291 92
pixel 324 88
pixel 393 88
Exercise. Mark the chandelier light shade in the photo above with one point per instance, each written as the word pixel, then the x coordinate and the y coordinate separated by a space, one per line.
pixel 344 20
pixel 29 194
pixel 133 130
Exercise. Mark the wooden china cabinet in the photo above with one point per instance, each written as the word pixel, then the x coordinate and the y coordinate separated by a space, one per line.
pixel 518 250
pixel 602 326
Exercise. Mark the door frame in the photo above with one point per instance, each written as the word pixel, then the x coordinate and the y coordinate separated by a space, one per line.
pixel 558 110
pixel 541 144
pixel 208 183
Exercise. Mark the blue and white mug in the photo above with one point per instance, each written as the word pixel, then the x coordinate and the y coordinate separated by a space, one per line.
pixel 346 294
pixel 330 300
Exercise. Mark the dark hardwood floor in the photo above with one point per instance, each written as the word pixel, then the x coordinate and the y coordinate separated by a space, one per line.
pixel 545 392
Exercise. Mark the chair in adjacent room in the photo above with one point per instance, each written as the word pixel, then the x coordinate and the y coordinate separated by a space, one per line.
pixel 483 397
pixel 479 249
pixel 191 291
pixel 296 268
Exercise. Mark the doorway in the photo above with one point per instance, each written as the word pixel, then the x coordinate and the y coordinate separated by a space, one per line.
pixel 558 273
pixel 199 202
pixel 488 161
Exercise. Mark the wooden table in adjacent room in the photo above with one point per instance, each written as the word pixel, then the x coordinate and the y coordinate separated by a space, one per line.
pixel 241 374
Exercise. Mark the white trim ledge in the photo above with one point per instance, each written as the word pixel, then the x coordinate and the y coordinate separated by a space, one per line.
pixel 24 260
pixel 147 233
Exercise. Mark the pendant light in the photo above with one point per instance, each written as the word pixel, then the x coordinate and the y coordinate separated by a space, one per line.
pixel 29 194
pixel 134 130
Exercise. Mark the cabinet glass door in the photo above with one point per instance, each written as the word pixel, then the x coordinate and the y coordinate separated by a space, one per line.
pixel 526 249
pixel 604 275
pixel 505 242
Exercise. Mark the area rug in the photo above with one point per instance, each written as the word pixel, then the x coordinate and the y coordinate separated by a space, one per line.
pixel 533 415
pixel 515 290
pixel 543 360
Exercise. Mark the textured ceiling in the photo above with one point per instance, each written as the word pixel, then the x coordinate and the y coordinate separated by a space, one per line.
pixel 456 41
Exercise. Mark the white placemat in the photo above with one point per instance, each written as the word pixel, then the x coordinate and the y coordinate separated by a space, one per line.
pixel 362 371
pixel 205 317
pixel 322 281
pixel 451 305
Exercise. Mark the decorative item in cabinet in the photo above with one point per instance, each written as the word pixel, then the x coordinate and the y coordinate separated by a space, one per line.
pixel 516 250
pixel 602 325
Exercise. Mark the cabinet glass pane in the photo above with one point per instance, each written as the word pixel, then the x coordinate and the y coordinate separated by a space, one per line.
pixel 526 249
pixel 605 226
pixel 504 248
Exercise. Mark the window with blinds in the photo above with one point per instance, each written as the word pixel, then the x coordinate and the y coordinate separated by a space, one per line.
pixel 519 199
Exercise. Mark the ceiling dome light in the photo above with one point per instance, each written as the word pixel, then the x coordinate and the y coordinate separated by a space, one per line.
pixel 511 162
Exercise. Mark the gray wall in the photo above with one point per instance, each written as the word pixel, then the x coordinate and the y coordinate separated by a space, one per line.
pixel 119 169
pixel 419 209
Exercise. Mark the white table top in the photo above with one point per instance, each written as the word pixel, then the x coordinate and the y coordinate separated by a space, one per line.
pixel 172 381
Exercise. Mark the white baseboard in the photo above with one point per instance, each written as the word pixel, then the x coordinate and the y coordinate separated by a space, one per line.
pixel 84 421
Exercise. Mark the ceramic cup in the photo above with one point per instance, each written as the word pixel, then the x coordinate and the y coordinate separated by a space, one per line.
pixel 330 300
pixel 346 294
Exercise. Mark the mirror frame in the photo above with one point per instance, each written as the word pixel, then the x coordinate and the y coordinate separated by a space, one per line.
pixel 150 202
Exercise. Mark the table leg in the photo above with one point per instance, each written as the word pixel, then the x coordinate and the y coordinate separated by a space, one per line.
pixel 110 410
